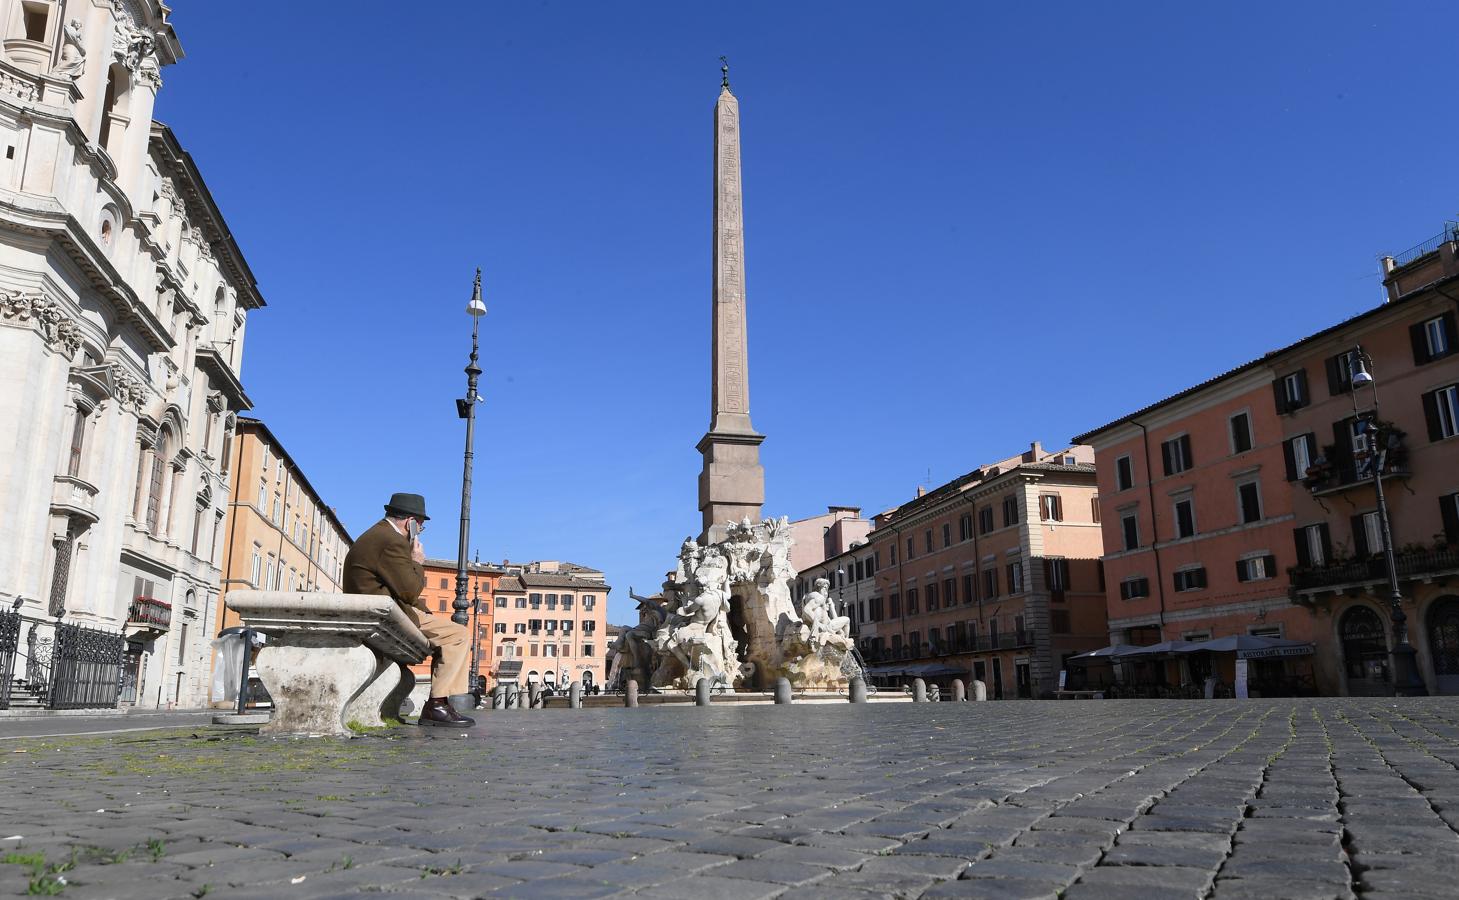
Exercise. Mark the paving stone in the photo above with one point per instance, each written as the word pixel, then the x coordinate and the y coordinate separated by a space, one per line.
pixel 711 887
pixel 997 867
pixel 771 870
pixel 1147 855
pixel 1132 877
pixel 930 866
pixel 997 889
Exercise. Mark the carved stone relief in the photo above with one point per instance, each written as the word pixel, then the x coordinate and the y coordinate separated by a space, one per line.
pixel 47 316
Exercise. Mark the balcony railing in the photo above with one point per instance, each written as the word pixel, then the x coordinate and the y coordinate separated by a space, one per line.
pixel 1411 564
pixel 1006 640
pixel 151 612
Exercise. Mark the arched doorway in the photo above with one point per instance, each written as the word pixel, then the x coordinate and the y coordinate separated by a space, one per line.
pixel 1365 653
pixel 1443 627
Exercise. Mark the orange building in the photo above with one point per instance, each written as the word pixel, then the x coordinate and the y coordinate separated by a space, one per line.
pixel 995 574
pixel 550 624
pixel 440 593
pixel 1245 505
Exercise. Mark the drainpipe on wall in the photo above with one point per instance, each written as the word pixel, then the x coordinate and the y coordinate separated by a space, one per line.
pixel 1154 530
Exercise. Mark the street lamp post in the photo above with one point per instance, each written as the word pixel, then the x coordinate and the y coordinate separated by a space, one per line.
pixel 466 409
pixel 1406 681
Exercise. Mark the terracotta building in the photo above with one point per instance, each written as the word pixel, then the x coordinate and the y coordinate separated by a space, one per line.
pixel 1339 574
pixel 549 624
pixel 281 535
pixel 1197 516
pixel 995 573
pixel 1245 505
pixel 440 595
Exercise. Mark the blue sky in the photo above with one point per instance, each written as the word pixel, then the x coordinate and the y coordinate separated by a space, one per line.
pixel 968 226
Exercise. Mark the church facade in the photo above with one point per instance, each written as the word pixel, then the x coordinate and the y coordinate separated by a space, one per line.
pixel 123 301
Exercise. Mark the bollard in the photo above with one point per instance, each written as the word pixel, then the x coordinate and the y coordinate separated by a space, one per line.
pixel 630 693
pixel 782 690
pixel 499 697
pixel 858 689
pixel 521 699
pixel 959 691
pixel 575 695
pixel 701 692
pixel 980 690
pixel 919 691
pixel 534 695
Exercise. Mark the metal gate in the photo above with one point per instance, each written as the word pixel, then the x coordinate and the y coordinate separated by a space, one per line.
pixel 9 643
pixel 86 668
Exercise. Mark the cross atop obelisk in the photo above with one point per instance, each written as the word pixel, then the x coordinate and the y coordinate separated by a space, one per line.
pixel 732 485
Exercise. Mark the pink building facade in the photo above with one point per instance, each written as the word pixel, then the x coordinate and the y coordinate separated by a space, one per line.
pixel 1245 505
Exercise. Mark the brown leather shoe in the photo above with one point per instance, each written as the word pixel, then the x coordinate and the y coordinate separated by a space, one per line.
pixel 438 711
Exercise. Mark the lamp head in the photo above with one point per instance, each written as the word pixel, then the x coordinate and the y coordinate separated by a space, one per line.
pixel 476 308
pixel 1359 369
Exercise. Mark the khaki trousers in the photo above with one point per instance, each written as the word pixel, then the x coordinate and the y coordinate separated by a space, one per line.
pixel 452 646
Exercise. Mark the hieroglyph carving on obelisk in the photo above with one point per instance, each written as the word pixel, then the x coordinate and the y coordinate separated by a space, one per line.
pixel 732 484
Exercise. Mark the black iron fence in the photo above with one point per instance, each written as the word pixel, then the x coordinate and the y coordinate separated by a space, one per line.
pixel 86 668
pixel 58 666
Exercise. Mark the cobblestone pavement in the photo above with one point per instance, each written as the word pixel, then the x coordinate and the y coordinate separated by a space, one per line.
pixel 1149 799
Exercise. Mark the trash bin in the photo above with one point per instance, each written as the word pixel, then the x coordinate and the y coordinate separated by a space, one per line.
pixel 234 648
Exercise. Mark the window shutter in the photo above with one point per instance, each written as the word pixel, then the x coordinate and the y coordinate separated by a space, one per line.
pixel 1431 415
pixel 1291 458
pixel 1201 577
pixel 1299 540
pixel 1342 438
pixel 1449 511
pixel 1360 538
pixel 1185 446
pixel 1325 536
pixel 1165 456
pixel 1279 394
pixel 1303 392
pixel 1241 570
pixel 1451 333
pixel 1271 565
pixel 1420 343
pixel 1334 378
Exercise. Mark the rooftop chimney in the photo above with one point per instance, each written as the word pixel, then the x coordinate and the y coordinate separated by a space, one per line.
pixel 921 491
pixel 1035 450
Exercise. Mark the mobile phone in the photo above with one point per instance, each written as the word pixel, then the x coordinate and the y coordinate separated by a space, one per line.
pixel 412 528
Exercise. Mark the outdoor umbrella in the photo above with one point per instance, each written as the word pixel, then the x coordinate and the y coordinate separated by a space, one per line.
pixel 1172 647
pixel 1245 642
pixel 1115 652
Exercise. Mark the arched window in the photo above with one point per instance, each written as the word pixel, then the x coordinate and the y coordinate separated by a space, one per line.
pixel 1444 642
pixel 533 676
pixel 161 453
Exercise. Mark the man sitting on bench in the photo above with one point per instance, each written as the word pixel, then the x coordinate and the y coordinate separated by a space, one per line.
pixel 389 559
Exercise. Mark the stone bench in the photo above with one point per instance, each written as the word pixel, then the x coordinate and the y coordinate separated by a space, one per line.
pixel 331 659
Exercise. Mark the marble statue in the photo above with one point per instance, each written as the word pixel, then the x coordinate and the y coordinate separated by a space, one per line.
pixel 728 615
pixel 132 45
pixel 818 613
pixel 633 651
pixel 73 54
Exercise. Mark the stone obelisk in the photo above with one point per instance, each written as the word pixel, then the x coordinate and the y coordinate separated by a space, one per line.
pixel 732 485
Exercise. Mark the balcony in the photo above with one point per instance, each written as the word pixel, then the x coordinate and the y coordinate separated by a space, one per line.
pixel 1416 564
pixel 149 614
pixel 1337 470
pixel 72 497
